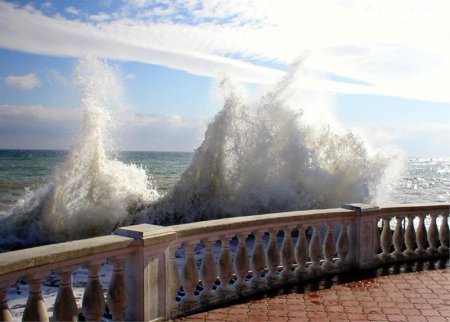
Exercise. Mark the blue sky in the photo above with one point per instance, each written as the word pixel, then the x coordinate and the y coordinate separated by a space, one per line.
pixel 378 68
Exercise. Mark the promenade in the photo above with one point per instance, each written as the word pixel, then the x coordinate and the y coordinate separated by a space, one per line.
pixel 386 294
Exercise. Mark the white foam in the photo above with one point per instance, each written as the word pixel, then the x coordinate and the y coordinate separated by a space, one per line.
pixel 263 157
pixel 90 193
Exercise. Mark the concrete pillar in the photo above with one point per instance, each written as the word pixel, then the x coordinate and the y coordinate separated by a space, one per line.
pixel 146 273
pixel 362 236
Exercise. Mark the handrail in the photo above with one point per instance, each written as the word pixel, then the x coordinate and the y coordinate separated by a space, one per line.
pixel 257 222
pixel 157 268
pixel 70 253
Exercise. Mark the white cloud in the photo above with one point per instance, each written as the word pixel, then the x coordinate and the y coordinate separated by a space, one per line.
pixel 47 5
pixel 130 76
pixel 57 78
pixel 143 132
pixel 37 127
pixel 428 139
pixel 100 17
pixel 399 49
pixel 72 10
pixel 24 82
pixel 41 127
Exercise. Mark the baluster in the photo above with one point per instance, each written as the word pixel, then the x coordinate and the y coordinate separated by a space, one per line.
pixel 328 248
pixel 35 308
pixel 315 251
pixel 190 274
pixel 398 239
pixel 301 252
pixel 421 237
pixel 174 278
pixel 241 262
pixel 117 290
pixel 343 247
pixel 225 267
pixel 5 314
pixel 93 304
pixel 208 273
pixel 386 240
pixel 433 236
pixel 377 241
pixel 444 235
pixel 65 308
pixel 258 261
pixel 410 238
pixel 272 256
pixel 287 254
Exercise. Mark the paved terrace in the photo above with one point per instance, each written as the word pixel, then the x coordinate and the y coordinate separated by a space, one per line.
pixel 420 293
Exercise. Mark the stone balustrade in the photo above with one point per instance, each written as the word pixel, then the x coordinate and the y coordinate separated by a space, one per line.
pixel 162 272
pixel 34 264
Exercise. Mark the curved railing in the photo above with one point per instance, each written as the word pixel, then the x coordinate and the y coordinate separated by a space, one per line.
pixel 173 271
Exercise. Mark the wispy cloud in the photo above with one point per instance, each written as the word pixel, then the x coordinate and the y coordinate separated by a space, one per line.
pixel 159 132
pixel 432 138
pixel 398 49
pixel 41 127
pixel 57 78
pixel 72 10
pixel 24 82
pixel 100 17
pixel 37 127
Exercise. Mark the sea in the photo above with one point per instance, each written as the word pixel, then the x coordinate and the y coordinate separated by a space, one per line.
pixel 257 156
pixel 23 172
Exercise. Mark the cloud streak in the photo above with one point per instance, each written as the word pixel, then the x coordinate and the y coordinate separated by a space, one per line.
pixel 25 82
pixel 39 127
pixel 396 49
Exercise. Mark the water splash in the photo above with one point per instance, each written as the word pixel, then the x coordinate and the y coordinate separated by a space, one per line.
pixel 261 157
pixel 255 158
pixel 91 193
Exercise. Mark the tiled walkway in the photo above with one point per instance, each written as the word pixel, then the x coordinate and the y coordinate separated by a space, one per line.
pixel 416 296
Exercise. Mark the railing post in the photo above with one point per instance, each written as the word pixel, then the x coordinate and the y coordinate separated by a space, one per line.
pixel 117 291
pixel 258 260
pixel 444 235
pixel 65 308
pixel 287 254
pixel 343 247
pixel 301 252
pixel 35 309
pixel 241 263
pixel 329 249
pixel 208 272
pixel 93 304
pixel 362 236
pixel 225 267
pixel 5 313
pixel 189 275
pixel 146 271
pixel 410 238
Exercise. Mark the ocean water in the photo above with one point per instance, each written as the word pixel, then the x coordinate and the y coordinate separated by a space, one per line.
pixel 423 180
pixel 23 172
pixel 257 156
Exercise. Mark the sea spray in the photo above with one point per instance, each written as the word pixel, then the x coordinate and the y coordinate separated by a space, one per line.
pixel 262 157
pixel 90 193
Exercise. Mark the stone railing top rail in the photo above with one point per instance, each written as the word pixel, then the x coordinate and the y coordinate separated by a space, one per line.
pixel 256 222
pixel 71 253
pixel 146 265
pixel 25 261
pixel 403 209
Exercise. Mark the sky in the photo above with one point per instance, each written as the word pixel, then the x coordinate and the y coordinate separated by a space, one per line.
pixel 378 68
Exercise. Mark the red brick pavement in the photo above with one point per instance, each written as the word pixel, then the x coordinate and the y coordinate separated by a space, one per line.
pixel 417 296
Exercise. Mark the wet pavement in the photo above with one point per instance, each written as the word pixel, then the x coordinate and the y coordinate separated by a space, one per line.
pixel 408 292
